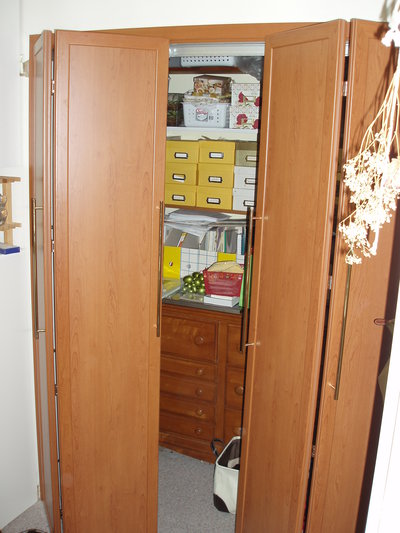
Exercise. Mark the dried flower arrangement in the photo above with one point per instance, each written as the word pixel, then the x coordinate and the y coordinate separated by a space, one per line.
pixel 373 175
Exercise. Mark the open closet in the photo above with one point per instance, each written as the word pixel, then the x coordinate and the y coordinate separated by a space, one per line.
pixel 104 342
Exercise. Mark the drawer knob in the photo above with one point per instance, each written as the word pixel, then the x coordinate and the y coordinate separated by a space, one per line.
pixel 199 340
pixel 198 431
pixel 199 412
pixel 199 371
pixel 199 391
pixel 239 389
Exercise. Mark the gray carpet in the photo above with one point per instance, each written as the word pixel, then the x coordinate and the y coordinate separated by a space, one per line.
pixel 185 503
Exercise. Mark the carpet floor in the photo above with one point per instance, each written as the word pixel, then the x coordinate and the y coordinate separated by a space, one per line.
pixel 185 501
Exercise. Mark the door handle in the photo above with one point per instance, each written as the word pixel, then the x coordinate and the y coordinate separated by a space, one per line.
pixel 160 248
pixel 34 263
pixel 247 274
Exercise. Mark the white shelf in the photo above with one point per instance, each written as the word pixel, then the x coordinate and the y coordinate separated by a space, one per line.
pixel 213 133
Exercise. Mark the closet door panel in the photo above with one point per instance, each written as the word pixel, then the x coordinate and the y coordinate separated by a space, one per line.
pixel 343 472
pixel 303 76
pixel 41 270
pixel 110 142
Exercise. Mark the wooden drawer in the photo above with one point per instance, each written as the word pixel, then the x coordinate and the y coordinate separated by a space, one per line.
pixel 186 426
pixel 235 357
pixel 206 371
pixel 200 449
pixel 200 390
pixel 234 388
pixel 192 339
pixel 232 424
pixel 198 410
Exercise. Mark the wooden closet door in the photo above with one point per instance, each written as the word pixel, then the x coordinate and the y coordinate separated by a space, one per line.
pixel 41 270
pixel 302 95
pixel 343 471
pixel 110 120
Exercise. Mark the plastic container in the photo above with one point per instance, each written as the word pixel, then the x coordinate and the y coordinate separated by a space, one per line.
pixel 206 115
pixel 223 283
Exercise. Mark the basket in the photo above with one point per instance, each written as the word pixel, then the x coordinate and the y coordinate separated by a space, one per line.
pixel 199 115
pixel 223 283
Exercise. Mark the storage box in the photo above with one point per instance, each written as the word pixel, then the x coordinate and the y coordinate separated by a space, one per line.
pixel 180 194
pixel 182 173
pixel 214 86
pixel 184 151
pixel 175 109
pixel 205 115
pixel 245 178
pixel 212 197
pixel 246 154
pixel 223 283
pixel 242 199
pixel 246 93
pixel 217 152
pixel 215 175
pixel 244 117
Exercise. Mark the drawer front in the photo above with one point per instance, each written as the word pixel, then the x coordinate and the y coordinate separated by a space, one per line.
pixel 214 175
pixel 189 338
pixel 246 154
pixel 181 173
pixel 186 426
pixel 178 194
pixel 197 410
pixel 183 151
pixel 232 424
pixel 195 390
pixel 206 371
pixel 217 152
pixel 214 198
pixel 234 389
pixel 235 357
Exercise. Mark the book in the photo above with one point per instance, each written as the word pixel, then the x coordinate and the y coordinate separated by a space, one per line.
pixel 225 301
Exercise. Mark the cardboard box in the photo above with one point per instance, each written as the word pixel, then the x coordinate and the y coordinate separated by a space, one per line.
pixel 246 93
pixel 246 154
pixel 181 173
pixel 215 175
pixel 183 151
pixel 214 86
pixel 242 199
pixel 244 117
pixel 217 152
pixel 245 177
pixel 214 198
pixel 178 194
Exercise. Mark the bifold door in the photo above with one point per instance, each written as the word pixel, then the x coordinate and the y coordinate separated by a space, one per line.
pixel 109 153
pixel 302 93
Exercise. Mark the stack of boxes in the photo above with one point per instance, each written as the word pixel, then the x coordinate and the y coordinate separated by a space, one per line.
pixel 245 106
pixel 245 177
pixel 200 173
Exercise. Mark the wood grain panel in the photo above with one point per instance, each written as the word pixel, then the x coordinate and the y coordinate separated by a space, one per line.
pixel 192 339
pixel 303 76
pixel 234 388
pixel 199 370
pixel 41 271
pixel 202 390
pixel 195 409
pixel 110 131
pixel 232 424
pixel 344 429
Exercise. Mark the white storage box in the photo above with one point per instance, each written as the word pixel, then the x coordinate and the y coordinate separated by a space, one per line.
pixel 242 199
pixel 206 115
pixel 246 93
pixel 245 178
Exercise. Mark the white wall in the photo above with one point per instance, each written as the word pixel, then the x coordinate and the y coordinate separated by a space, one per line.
pixel 18 454
pixel 18 464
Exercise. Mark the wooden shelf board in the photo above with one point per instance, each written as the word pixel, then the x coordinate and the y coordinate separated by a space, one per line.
pixel 8 179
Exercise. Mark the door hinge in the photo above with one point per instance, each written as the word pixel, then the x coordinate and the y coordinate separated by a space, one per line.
pixel 330 283
pixel 61 513
pixel 345 88
pixel 55 389
pixel 313 450
pixel 52 247
pixel 53 87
